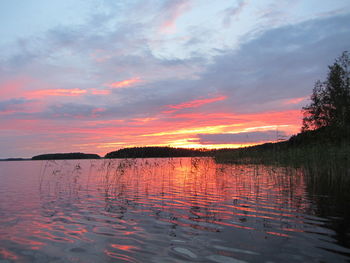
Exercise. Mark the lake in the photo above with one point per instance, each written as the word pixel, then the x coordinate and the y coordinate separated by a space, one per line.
pixel 168 210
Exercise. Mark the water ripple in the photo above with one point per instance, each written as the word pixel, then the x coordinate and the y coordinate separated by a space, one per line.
pixel 160 210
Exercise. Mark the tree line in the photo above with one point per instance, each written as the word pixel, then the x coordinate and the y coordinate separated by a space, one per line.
pixel 156 152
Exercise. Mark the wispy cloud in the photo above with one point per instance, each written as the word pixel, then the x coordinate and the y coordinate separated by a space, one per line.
pixel 233 12
pixel 13 105
pixel 56 92
pixel 124 83
pixel 193 104
pixel 170 12
pixel 100 92
pixel 295 100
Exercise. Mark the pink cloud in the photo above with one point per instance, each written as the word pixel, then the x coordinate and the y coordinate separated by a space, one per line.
pixel 55 92
pixel 100 92
pixel 193 104
pixel 295 100
pixel 124 83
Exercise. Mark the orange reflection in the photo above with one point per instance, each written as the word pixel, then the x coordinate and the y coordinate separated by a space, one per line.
pixel 4 253
pixel 115 207
pixel 277 234
pixel 202 191
pixel 123 247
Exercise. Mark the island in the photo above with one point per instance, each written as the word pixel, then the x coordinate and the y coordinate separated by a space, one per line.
pixel 157 152
pixel 64 156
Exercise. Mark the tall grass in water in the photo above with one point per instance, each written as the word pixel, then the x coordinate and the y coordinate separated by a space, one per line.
pixel 326 169
pixel 328 186
pixel 318 158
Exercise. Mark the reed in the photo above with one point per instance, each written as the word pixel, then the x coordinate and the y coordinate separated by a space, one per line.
pixel 316 158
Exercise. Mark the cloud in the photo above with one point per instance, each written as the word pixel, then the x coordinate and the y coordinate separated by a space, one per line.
pixel 170 12
pixel 56 92
pixel 266 71
pixel 13 105
pixel 243 137
pixel 276 65
pixel 233 12
pixel 259 84
pixel 72 110
pixel 193 104
pixel 295 100
pixel 124 83
pixel 100 92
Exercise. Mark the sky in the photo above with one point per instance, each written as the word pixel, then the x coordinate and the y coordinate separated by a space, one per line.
pixel 95 76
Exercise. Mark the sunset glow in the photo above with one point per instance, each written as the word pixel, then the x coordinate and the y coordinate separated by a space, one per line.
pixel 194 74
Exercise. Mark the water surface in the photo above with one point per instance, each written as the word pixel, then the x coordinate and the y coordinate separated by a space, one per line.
pixel 163 210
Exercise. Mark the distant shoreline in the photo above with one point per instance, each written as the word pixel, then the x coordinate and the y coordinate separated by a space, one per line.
pixel 15 159
pixel 323 144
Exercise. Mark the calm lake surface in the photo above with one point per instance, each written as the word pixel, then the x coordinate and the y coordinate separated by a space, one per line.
pixel 167 210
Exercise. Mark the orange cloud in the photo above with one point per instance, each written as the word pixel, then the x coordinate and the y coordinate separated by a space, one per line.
pixel 194 130
pixel 193 104
pixel 192 143
pixel 142 121
pixel 56 92
pixel 124 83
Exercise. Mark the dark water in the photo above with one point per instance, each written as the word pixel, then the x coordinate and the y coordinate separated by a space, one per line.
pixel 166 210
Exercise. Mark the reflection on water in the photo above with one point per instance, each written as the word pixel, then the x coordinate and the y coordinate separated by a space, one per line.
pixel 163 210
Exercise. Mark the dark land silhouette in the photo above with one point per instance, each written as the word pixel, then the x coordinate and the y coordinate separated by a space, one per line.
pixel 15 159
pixel 63 156
pixel 157 152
